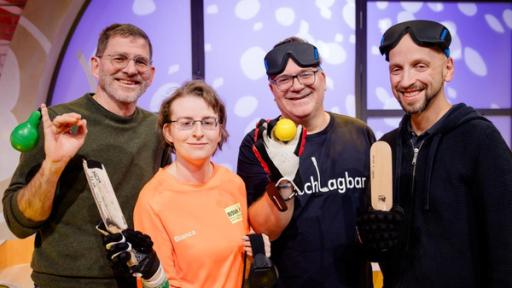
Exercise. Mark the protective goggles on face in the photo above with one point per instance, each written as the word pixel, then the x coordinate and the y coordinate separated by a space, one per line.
pixel 423 32
pixel 304 54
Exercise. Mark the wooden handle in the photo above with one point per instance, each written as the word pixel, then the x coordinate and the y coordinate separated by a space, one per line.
pixel 381 176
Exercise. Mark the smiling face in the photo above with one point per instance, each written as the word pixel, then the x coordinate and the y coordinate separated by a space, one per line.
pixel 300 103
pixel 417 75
pixel 196 145
pixel 123 86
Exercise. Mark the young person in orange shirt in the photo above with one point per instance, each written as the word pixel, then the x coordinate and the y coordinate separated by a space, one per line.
pixel 194 210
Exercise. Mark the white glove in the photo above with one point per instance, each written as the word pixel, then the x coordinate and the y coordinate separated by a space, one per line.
pixel 279 159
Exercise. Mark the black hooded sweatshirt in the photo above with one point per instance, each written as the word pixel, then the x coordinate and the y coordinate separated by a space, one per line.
pixel 457 200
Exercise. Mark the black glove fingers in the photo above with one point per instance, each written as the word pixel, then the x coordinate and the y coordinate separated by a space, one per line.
pixel 140 241
pixel 270 126
pixel 114 249
pixel 121 257
pixel 261 127
pixel 113 239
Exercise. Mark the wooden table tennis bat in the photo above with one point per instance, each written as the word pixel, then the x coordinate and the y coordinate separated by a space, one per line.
pixel 381 176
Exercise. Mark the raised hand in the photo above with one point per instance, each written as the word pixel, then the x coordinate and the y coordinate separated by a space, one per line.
pixel 61 140
pixel 279 159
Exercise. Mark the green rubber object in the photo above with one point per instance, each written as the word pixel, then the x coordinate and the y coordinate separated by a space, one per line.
pixel 26 135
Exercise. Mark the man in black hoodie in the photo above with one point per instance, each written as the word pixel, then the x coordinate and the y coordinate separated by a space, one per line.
pixel 452 173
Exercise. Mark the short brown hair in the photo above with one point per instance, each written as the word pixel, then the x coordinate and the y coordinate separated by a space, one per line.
pixel 123 30
pixel 200 89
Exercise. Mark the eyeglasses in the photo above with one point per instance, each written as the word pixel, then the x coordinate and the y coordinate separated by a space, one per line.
pixel 285 82
pixel 207 123
pixel 120 61
pixel 423 32
pixel 303 53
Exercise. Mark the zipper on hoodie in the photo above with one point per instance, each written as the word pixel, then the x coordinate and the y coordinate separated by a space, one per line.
pixel 416 151
pixel 414 158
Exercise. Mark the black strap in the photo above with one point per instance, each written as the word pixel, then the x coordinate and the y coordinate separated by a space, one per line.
pixel 243 273
pixel 257 244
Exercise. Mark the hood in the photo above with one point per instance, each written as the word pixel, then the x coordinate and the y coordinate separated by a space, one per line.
pixel 456 116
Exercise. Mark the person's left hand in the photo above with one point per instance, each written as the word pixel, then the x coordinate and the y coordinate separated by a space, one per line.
pixel 248 248
pixel 280 160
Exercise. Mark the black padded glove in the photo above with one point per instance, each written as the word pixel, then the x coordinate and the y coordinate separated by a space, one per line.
pixel 132 249
pixel 380 231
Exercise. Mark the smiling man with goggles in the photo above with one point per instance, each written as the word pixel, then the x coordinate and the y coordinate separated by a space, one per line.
pixel 423 32
pixel 302 53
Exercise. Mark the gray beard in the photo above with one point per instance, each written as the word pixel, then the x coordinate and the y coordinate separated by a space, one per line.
pixel 107 86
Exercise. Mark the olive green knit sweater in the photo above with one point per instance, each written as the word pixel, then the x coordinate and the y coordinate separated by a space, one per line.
pixel 68 250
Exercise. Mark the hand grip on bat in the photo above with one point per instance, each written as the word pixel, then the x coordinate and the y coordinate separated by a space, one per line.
pixel 380 231
pixel 123 247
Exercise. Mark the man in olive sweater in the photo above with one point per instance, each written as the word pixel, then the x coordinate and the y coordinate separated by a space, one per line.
pixel 48 194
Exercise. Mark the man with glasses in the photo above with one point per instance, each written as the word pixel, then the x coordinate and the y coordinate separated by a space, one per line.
pixel 452 174
pixel 49 195
pixel 314 236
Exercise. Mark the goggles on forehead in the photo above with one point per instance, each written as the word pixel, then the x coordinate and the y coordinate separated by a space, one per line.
pixel 304 54
pixel 423 32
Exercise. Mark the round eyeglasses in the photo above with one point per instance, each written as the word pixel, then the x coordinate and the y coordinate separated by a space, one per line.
pixel 120 61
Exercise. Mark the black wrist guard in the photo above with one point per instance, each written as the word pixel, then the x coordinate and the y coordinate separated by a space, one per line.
pixel 263 273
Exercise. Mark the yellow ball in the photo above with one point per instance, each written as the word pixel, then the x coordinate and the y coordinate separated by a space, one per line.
pixel 285 130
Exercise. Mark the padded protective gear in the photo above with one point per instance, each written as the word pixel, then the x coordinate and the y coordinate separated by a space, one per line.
pixel 279 159
pixel 380 231
pixel 263 273
pixel 132 249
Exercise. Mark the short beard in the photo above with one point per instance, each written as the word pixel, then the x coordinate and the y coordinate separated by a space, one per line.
pixel 424 105
pixel 107 84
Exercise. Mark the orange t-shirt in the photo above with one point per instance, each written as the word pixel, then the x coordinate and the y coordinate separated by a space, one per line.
pixel 196 229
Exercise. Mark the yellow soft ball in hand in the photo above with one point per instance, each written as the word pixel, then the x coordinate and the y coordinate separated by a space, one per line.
pixel 285 130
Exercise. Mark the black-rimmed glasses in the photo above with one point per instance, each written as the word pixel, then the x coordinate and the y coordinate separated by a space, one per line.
pixel 285 82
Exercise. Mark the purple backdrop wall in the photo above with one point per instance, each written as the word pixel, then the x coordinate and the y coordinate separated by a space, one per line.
pixel 238 34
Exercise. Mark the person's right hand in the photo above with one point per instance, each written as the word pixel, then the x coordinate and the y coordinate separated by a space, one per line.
pixel 380 232
pixel 131 249
pixel 60 142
